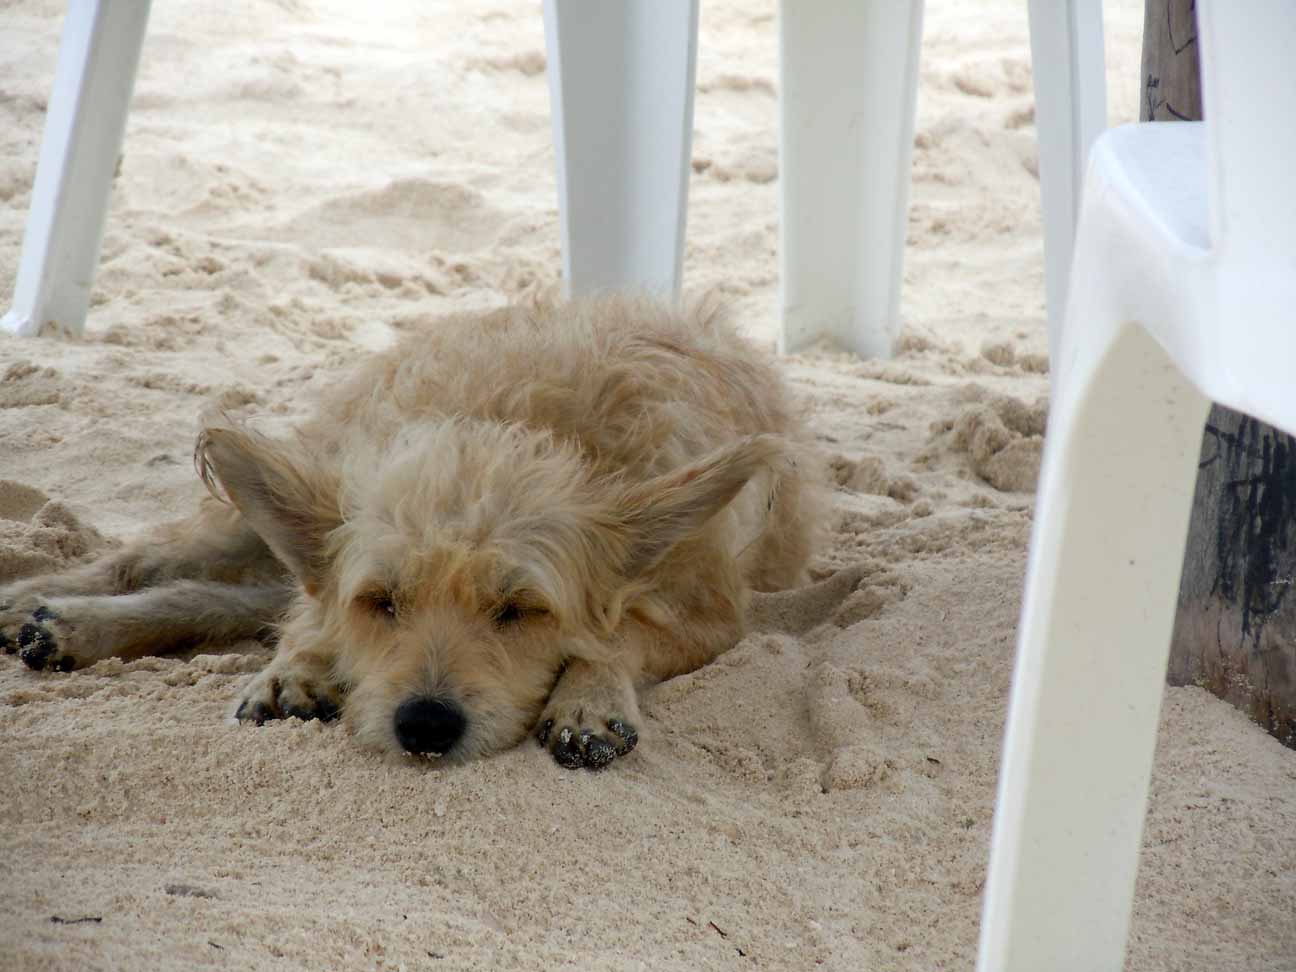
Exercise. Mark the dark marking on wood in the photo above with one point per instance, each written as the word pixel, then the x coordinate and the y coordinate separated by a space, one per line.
pixel 1235 628
pixel 1256 518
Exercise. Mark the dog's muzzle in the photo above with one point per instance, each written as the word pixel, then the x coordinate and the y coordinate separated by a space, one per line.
pixel 428 727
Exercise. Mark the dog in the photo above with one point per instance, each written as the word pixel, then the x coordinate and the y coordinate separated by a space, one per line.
pixel 499 526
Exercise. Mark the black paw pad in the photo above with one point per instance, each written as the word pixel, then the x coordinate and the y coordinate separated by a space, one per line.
pixel 326 710
pixel 598 751
pixel 566 751
pixel 35 646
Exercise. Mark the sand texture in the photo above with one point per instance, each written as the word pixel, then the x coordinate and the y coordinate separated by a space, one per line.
pixel 304 180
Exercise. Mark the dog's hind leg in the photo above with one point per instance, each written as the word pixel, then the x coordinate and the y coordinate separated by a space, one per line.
pixel 215 545
pixel 63 632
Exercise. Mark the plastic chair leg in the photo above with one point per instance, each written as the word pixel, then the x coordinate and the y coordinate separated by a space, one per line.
pixel 97 61
pixel 849 76
pixel 1109 536
pixel 1067 62
pixel 621 86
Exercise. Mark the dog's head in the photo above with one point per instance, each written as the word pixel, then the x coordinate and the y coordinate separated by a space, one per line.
pixel 453 572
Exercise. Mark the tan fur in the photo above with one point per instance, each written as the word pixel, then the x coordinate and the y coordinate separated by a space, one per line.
pixel 519 515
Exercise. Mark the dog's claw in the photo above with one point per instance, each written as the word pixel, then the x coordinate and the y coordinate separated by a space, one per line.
pixel 325 710
pixel 629 738
pixel 255 712
pixel 542 734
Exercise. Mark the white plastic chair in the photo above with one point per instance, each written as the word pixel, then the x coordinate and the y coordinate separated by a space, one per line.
pixel 1182 292
pixel 849 75
pixel 84 124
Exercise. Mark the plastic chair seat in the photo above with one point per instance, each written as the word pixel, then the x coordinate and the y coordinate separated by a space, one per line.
pixel 1162 170
pixel 1147 198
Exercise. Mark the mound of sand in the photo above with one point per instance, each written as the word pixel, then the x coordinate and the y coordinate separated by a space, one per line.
pixel 300 182
pixel 38 534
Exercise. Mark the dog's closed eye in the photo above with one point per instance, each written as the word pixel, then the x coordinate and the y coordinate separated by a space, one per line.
pixel 377 603
pixel 509 613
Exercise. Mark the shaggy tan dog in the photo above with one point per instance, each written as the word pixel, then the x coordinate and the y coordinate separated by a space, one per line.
pixel 501 524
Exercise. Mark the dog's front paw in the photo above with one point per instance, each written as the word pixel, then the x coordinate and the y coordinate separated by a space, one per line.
pixel 286 689
pixel 40 637
pixel 575 745
pixel 591 715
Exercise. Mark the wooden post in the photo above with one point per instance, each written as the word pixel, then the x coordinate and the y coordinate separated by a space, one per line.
pixel 1235 628
pixel 1171 73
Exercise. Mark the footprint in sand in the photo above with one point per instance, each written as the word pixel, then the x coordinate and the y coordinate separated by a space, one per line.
pixel 843 724
pixel 748 709
pixel 841 599
pixel 848 703
pixel 842 713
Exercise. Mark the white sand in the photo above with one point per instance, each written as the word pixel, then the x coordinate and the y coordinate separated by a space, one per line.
pixel 300 181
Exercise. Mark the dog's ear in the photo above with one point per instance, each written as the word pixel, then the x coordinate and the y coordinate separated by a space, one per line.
pixel 668 509
pixel 290 503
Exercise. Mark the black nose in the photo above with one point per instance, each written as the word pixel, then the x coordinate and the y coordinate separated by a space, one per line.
pixel 428 725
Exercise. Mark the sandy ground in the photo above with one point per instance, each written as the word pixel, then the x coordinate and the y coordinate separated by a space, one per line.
pixel 301 181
